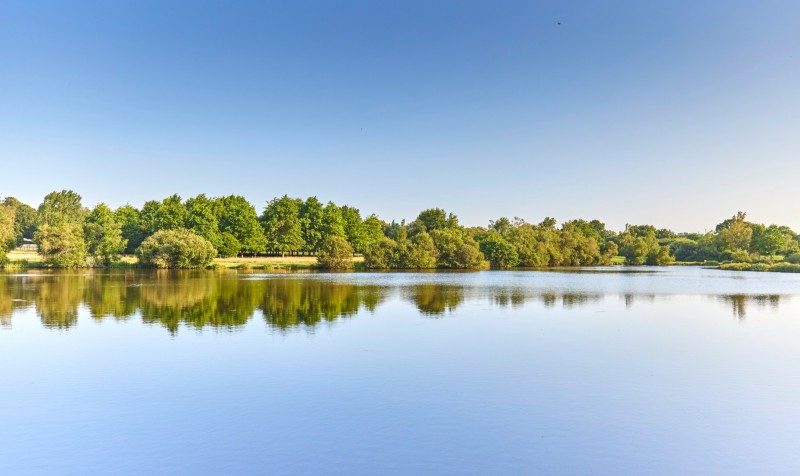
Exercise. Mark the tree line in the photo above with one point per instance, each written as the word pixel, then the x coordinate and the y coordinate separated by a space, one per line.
pixel 188 233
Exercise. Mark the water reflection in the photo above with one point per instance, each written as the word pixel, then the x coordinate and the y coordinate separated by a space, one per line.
pixel 227 300
pixel 740 302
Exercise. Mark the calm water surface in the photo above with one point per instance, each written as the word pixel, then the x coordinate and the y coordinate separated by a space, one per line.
pixel 657 371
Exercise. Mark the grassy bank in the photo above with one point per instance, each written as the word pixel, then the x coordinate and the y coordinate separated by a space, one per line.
pixel 762 267
pixel 29 259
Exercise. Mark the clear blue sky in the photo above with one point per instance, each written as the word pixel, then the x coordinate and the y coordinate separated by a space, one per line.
pixel 675 113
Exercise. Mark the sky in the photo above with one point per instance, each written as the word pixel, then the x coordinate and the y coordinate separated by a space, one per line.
pixel 671 113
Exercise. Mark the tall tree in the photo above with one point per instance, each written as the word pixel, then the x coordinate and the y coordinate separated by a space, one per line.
pixel 353 228
pixel 202 219
pixel 282 226
pixel 172 214
pixel 148 217
pixel 61 207
pixel 24 219
pixel 238 217
pixel 311 217
pixel 61 245
pixel 132 231
pixel 332 221
pixel 103 235
pixel 7 233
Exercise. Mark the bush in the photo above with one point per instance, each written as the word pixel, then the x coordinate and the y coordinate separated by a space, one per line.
pixel 179 248
pixel 735 266
pixel 336 253
pixel 785 268
pixel 793 258
pixel 741 256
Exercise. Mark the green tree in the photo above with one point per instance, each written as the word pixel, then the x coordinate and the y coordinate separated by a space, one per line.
pixel 336 253
pixel 382 254
pixel 771 240
pixel 734 234
pixel 7 232
pixel 332 221
pixel 59 208
pixel 132 231
pixel 456 250
pixel 103 235
pixel 354 227
pixel 172 214
pixel 421 254
pixel 24 219
pixel 373 230
pixel 229 247
pixel 61 245
pixel 435 219
pixel 202 219
pixel 180 248
pixel 499 252
pixel 148 217
pixel 282 225
pixel 238 217
pixel 311 223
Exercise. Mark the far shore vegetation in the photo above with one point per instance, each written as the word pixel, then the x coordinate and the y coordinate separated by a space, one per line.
pixel 292 233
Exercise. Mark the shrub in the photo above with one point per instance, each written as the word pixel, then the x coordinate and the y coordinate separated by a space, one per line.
pixel 793 258
pixel 741 256
pixel 735 266
pixel 785 268
pixel 180 248
pixel 336 253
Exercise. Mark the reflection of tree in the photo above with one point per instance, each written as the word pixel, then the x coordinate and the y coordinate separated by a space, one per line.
pixel 110 295
pixel 513 297
pixel 435 299
pixel 197 299
pixel 58 298
pixel 740 302
pixel 293 302
pixel 569 300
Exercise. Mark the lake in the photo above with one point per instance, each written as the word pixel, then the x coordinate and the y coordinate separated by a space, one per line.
pixel 677 370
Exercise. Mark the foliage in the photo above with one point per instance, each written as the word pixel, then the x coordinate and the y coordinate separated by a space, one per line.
pixel 238 217
pixel 24 219
pixel 229 245
pixel 435 219
pixel 7 232
pixel 456 250
pixel 354 227
pixel 180 248
pixel 282 225
pixel 499 252
pixel 103 235
pixel 311 213
pixel 420 253
pixel 201 217
pixel 131 227
pixel 336 253
pixel 332 222
pixel 61 245
pixel 172 214
pixel 382 254
pixel 60 207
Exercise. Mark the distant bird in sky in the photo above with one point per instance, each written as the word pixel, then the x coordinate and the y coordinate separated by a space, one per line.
pixel 559 23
